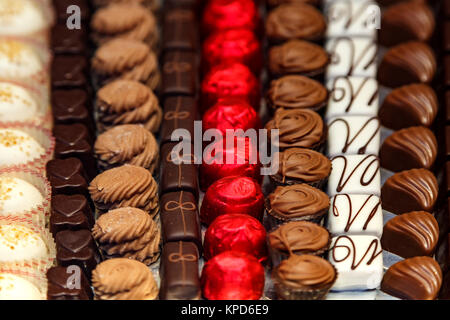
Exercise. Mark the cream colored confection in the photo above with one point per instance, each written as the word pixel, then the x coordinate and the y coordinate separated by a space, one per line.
pixel 18 60
pixel 18 147
pixel 20 18
pixel 16 103
pixel 18 243
pixel 13 287
pixel 17 196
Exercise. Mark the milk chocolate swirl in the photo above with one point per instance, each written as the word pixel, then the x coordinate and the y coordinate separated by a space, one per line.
pixel 125 186
pixel 123 279
pixel 418 278
pixel 407 63
pixel 297 201
pixel 300 237
pixel 127 102
pixel 305 271
pixel 297 57
pixel 127 59
pixel 297 128
pixel 131 144
pixel 129 21
pixel 296 92
pixel 295 21
pixel 411 234
pixel 414 147
pixel 410 105
pixel 410 190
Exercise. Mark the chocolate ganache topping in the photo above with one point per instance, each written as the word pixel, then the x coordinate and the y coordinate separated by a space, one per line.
pixel 297 57
pixel 297 201
pixel 296 92
pixel 305 271
pixel 295 21
pixel 300 237
pixel 297 128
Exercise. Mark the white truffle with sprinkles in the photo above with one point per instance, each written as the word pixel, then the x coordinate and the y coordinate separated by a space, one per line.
pixel 18 147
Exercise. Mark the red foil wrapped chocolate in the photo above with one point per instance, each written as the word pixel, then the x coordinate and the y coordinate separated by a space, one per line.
pixel 230 14
pixel 232 195
pixel 237 232
pixel 231 113
pixel 236 45
pixel 222 159
pixel 232 275
pixel 230 80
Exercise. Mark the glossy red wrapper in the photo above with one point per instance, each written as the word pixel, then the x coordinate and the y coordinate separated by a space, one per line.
pixel 230 81
pixel 230 14
pixel 232 114
pixel 232 275
pixel 232 195
pixel 237 232
pixel 236 45
pixel 243 160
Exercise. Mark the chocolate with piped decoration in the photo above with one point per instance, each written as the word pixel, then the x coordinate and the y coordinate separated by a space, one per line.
pixel 410 105
pixel 407 63
pixel 179 272
pixel 67 176
pixel 71 106
pixel 70 212
pixel 180 173
pixel 410 190
pixel 180 30
pixel 180 218
pixel 179 113
pixel 406 21
pixel 179 73
pixel 411 234
pixel 417 278
pixel 61 287
pixel 77 248
pixel 67 41
pixel 69 71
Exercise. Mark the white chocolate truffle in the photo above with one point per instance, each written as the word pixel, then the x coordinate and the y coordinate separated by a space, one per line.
pixel 20 18
pixel 18 243
pixel 18 60
pixel 18 147
pixel 358 261
pixel 352 96
pixel 16 104
pixel 13 287
pixel 17 195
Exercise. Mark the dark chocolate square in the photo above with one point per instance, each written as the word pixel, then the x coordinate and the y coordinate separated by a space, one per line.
pixel 60 286
pixel 179 272
pixel 69 71
pixel 62 5
pixel 77 248
pixel 180 30
pixel 70 212
pixel 179 113
pixel 71 106
pixel 179 73
pixel 180 218
pixel 67 176
pixel 66 41
pixel 178 177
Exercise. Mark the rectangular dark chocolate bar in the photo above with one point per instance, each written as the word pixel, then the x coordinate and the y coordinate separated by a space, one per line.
pixel 179 272
pixel 180 30
pixel 180 218
pixel 179 113
pixel 178 177
pixel 179 74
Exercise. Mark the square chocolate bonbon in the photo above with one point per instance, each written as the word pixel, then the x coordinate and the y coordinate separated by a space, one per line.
pixel 179 113
pixel 70 212
pixel 67 176
pixel 69 71
pixel 179 74
pixel 180 30
pixel 66 41
pixel 60 287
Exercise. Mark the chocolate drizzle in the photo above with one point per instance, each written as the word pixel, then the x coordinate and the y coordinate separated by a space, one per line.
pixel 354 92
pixel 174 205
pixel 351 251
pixel 342 183
pixel 351 219
pixel 348 14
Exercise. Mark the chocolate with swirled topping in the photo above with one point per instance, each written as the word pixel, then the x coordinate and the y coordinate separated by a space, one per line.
pixel 298 128
pixel 410 190
pixel 296 92
pixel 295 21
pixel 297 57
pixel 298 202
pixel 411 234
pixel 417 278
pixel 407 63
pixel 300 237
pixel 414 147
pixel 410 105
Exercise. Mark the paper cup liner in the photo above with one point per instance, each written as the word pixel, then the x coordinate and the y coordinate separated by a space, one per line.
pixel 42 136
pixel 35 275
pixel 286 292
pixel 39 215
pixel 43 263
